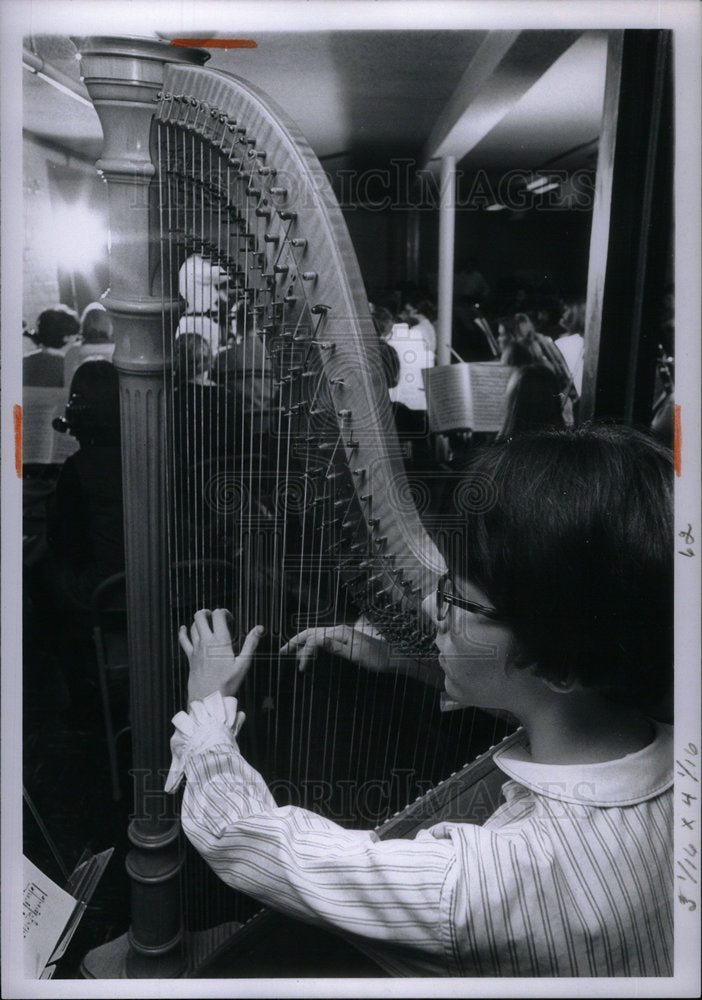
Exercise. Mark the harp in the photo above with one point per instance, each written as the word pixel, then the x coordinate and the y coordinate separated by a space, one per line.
pixel 294 513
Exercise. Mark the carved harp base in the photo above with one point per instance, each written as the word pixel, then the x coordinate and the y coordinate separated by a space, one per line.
pixel 118 960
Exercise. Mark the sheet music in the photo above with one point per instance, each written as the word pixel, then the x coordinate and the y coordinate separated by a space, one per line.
pixel 489 388
pixel 467 396
pixel 41 444
pixel 47 908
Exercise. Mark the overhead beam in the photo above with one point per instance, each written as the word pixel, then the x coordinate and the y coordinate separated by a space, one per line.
pixel 505 67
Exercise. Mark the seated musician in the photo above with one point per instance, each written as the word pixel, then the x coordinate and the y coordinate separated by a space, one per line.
pixel 561 616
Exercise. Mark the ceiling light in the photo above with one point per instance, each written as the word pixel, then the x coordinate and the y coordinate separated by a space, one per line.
pixel 537 184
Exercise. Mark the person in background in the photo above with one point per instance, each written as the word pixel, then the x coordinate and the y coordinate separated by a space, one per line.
pixel 571 342
pixel 245 370
pixel 56 329
pixel 97 340
pixel 85 523
pixel 383 321
pixel 203 286
pixel 419 312
pixel 29 344
pixel 96 325
pixel 533 401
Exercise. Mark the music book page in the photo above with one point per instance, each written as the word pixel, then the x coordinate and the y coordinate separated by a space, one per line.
pixel 467 396
pixel 47 908
pixel 41 444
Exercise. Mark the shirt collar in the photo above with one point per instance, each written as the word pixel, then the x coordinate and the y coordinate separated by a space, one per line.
pixel 628 780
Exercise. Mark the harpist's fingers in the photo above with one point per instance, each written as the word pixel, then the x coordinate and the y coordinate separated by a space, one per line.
pixel 292 645
pixel 220 626
pixel 305 654
pixel 325 638
pixel 184 640
pixel 201 625
pixel 249 646
pixel 333 640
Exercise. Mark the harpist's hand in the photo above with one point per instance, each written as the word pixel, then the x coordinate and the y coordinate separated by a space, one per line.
pixel 208 646
pixel 343 640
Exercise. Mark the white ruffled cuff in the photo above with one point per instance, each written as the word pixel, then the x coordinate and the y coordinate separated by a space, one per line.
pixel 214 721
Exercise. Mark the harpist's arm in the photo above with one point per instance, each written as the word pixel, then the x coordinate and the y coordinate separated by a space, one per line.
pixel 295 860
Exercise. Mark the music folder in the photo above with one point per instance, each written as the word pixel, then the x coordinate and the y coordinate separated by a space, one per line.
pixel 51 913
pixel 467 396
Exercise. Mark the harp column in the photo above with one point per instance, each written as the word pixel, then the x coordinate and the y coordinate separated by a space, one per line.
pixel 123 77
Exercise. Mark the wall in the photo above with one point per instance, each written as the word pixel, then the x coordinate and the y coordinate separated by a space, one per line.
pixel 43 285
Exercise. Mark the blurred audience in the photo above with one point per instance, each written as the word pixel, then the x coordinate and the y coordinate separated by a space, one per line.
pixel 85 524
pixel 97 340
pixel 57 328
pixel 571 341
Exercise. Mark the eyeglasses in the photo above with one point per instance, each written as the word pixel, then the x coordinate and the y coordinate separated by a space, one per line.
pixel 445 597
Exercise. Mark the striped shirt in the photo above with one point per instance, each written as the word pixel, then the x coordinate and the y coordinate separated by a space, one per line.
pixel 571 876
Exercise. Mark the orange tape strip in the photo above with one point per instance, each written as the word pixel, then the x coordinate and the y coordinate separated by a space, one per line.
pixel 17 415
pixel 677 440
pixel 215 43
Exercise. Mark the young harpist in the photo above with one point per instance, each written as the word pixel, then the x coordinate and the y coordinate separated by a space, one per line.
pixel 567 583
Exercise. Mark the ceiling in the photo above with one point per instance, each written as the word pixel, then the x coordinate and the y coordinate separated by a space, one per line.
pixel 496 100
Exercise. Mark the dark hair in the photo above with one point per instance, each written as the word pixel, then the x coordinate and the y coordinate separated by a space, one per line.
pixel 95 325
pixel 55 326
pixel 533 400
pixel 92 411
pixel 519 355
pixel 192 355
pixel 576 552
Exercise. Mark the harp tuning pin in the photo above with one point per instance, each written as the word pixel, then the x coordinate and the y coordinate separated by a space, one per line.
pixel 337 381
pixel 290 300
pixel 287 216
pixel 352 445
pixel 319 308
pixel 300 242
pixel 280 269
pixel 279 192
pixel 348 525
pixel 359 472
pixel 254 192
pixel 367 496
pixel 373 522
pixel 344 414
pixel 263 213
pixel 309 275
pixel 271 237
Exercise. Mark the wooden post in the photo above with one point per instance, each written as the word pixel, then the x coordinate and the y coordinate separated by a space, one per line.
pixel 447 226
pixel 631 238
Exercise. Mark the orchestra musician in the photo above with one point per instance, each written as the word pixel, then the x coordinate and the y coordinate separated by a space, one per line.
pixel 545 613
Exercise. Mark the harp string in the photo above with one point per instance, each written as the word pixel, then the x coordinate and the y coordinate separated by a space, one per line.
pixel 277 537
